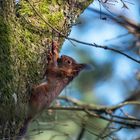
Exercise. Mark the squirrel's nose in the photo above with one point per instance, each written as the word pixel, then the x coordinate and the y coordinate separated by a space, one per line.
pixel 81 66
pixel 87 67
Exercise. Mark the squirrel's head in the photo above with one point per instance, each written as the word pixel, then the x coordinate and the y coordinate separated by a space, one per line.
pixel 70 67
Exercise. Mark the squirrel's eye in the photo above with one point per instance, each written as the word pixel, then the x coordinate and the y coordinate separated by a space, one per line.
pixel 69 62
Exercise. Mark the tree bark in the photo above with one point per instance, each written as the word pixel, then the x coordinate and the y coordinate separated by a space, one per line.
pixel 24 39
pixel 7 122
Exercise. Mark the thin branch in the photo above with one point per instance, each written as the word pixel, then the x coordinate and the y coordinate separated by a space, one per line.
pixel 98 107
pixel 82 132
pixel 86 43
pixel 69 99
pixel 119 36
pixel 124 5
pixel 106 48
pixel 127 115
pixel 128 24
pixel 112 132
pixel 129 123
pixel 98 110
pixel 123 118
pixel 104 131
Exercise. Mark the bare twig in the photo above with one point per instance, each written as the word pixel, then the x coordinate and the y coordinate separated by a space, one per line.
pixel 128 24
pixel 123 118
pixel 106 48
pixel 127 115
pixel 98 111
pixel 103 132
pixel 119 36
pixel 126 123
pixel 112 132
pixel 82 132
pixel 86 43
pixel 97 107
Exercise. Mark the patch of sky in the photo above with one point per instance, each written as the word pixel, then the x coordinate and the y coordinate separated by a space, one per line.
pixel 124 68
pixel 109 92
pixel 71 91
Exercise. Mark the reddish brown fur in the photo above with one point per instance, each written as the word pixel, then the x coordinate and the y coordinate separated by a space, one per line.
pixel 60 72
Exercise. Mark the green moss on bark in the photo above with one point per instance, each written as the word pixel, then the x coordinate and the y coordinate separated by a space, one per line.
pixel 23 46
pixel 5 59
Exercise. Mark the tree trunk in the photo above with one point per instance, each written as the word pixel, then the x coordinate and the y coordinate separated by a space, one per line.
pixel 24 39
pixel 7 111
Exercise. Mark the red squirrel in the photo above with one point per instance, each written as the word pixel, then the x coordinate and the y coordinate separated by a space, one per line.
pixel 59 73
